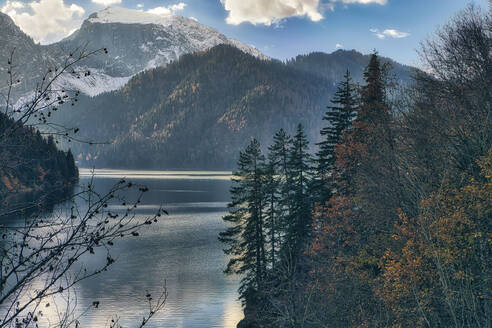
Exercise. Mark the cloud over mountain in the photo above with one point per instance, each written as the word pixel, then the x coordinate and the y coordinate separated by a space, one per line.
pixel 167 10
pixel 106 2
pixel 37 18
pixel 270 11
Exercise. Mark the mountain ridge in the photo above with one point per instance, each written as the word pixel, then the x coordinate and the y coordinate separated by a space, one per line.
pixel 229 95
pixel 155 40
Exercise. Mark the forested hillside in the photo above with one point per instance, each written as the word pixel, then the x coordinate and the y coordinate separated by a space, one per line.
pixel 389 224
pixel 333 66
pixel 197 111
pixel 32 164
pixel 200 110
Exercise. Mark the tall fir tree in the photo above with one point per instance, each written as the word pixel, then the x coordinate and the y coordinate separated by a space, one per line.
pixel 273 223
pixel 378 176
pixel 354 229
pixel 278 156
pixel 339 118
pixel 299 223
pixel 245 238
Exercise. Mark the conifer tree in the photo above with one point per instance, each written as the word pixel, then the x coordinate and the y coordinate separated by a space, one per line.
pixel 300 174
pixel 354 227
pixel 377 177
pixel 272 212
pixel 245 238
pixel 278 156
pixel 339 118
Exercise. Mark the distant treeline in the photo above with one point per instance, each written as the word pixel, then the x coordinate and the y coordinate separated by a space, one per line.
pixel 389 224
pixel 32 170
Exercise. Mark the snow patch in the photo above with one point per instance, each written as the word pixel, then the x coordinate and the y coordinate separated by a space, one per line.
pixel 130 16
pixel 93 85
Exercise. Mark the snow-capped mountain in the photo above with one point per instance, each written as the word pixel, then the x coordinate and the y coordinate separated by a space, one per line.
pixel 135 40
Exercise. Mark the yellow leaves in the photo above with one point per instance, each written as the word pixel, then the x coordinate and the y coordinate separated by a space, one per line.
pixel 447 243
pixel 485 164
pixel 460 274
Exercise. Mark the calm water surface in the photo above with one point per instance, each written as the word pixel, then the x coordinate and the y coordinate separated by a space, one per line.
pixel 181 250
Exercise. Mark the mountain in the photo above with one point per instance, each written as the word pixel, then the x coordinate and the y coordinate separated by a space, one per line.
pixel 213 96
pixel 333 66
pixel 135 40
pixel 28 58
pixel 200 110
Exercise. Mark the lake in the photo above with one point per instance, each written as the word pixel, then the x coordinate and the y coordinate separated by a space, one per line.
pixel 181 250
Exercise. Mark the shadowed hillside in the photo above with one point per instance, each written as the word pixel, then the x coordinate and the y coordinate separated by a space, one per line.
pixel 200 110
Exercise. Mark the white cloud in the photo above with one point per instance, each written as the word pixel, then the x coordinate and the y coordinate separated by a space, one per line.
pixel 269 11
pixel 364 2
pixel 106 2
pixel 167 10
pixel 193 18
pixel 389 33
pixel 140 5
pixel 45 20
pixel 11 6
pixel 395 34
pixel 338 46
pixel 179 6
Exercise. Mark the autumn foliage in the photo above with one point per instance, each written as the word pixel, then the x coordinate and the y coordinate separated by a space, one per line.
pixel 405 239
pixel 399 199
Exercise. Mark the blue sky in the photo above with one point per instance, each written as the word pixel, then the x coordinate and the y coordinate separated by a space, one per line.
pixel 279 28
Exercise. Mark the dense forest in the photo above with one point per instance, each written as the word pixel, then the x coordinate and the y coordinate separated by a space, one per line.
pixel 388 224
pixel 32 168
pixel 200 110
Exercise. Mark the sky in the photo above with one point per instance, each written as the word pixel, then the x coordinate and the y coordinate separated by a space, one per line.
pixel 280 29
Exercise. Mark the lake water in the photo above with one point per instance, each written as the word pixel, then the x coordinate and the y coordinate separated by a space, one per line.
pixel 181 250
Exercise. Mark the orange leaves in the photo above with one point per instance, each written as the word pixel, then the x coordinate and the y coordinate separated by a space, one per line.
pixel 443 261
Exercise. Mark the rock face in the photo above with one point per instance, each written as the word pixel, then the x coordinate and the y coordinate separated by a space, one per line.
pixel 29 59
pixel 136 41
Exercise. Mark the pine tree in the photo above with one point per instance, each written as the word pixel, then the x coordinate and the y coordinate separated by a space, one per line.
pixel 356 226
pixel 339 119
pixel 299 223
pixel 245 239
pixel 272 212
pixel 378 176
pixel 373 93
pixel 278 156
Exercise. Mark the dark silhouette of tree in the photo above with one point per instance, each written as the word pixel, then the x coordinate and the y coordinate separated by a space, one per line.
pixel 300 175
pixel 339 118
pixel 246 237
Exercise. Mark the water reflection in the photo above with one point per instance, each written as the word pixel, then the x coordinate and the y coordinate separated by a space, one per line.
pixel 181 250
pixel 160 175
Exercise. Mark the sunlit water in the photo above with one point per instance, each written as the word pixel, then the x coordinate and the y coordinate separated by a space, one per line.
pixel 181 250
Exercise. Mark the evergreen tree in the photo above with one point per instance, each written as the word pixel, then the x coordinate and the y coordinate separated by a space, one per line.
pixel 272 212
pixel 339 118
pixel 378 177
pixel 278 158
pixel 245 238
pixel 300 173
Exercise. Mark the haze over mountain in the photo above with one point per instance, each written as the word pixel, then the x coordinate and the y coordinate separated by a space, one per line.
pixel 135 40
